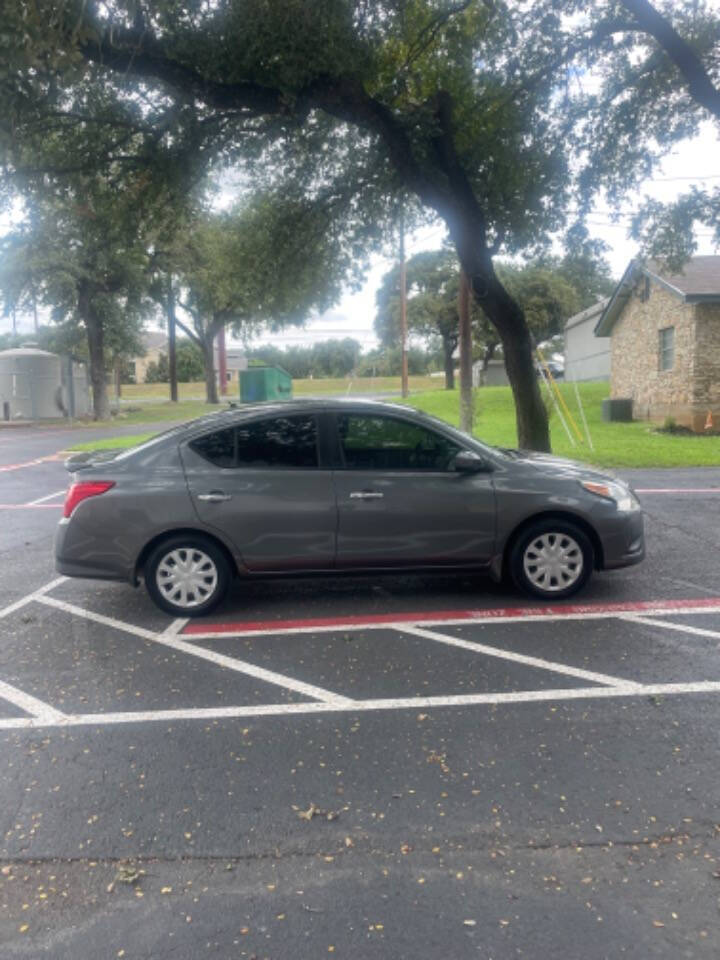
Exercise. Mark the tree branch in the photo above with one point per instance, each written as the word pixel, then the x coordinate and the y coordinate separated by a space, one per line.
pixel 428 33
pixel 191 333
pixel 700 86
pixel 139 53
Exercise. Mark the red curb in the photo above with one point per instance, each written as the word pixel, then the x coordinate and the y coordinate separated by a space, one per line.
pixel 552 612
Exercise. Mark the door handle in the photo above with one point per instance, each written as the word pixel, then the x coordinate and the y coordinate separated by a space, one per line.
pixel 366 495
pixel 214 497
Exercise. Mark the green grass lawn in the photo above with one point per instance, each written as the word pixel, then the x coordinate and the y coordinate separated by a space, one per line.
pixel 113 443
pixel 636 444
pixel 148 403
pixel 137 392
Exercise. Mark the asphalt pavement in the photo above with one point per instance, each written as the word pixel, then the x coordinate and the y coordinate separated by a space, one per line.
pixel 404 767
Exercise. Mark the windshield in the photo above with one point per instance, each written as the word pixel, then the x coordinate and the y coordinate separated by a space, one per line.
pixel 465 438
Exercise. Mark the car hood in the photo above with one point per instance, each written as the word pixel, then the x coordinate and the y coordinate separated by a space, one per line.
pixel 558 466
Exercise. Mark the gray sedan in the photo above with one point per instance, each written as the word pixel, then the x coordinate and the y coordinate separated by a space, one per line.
pixel 336 486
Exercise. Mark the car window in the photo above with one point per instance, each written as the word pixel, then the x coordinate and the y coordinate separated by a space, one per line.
pixel 277 443
pixel 218 447
pixel 280 443
pixel 384 443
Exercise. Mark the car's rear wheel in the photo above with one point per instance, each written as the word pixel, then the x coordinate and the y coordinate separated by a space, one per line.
pixel 551 559
pixel 187 575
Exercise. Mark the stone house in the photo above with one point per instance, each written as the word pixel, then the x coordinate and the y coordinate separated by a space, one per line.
pixel 664 331
pixel 587 356
pixel 155 342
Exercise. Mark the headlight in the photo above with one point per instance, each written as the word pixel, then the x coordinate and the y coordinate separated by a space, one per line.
pixel 609 490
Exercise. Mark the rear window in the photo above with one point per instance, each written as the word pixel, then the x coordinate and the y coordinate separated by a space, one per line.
pixel 280 443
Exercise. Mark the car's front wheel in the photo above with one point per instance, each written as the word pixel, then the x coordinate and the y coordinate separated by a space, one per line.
pixel 551 559
pixel 187 575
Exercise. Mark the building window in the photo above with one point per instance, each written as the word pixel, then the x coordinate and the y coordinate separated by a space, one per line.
pixel 667 348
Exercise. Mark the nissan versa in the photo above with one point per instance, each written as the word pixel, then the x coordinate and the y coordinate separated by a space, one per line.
pixel 335 486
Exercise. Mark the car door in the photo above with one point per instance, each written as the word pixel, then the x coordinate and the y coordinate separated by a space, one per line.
pixel 260 482
pixel 400 501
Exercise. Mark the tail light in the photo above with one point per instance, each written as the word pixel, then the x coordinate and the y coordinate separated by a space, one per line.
pixel 81 491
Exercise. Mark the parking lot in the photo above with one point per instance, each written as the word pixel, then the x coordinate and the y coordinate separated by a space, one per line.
pixel 399 767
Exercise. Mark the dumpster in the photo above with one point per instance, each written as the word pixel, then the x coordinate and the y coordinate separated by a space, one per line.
pixel 265 383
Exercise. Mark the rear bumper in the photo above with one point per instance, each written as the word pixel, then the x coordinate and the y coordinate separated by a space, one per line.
pixel 81 554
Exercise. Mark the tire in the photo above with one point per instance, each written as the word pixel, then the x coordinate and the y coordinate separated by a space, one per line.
pixel 568 555
pixel 205 586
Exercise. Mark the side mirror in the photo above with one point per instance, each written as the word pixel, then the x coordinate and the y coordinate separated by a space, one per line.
pixel 467 461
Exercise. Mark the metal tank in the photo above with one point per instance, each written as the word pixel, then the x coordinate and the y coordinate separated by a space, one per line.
pixel 76 388
pixel 30 384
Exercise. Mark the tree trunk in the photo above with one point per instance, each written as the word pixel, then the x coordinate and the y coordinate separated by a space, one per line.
pixel 448 350
pixel 96 352
pixel 211 392
pixel 172 353
pixel 465 339
pixel 208 345
pixel 506 315
pixel 509 320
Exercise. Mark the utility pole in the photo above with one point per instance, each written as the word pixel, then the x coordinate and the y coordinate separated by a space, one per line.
pixel 465 342
pixel 172 352
pixel 222 361
pixel 403 307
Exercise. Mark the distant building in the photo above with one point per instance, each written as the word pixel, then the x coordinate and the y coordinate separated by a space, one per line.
pixel 665 341
pixel 587 356
pixel 155 342
pixel 494 375
pixel 235 361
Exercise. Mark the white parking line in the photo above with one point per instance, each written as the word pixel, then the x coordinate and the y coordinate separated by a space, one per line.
pixel 176 627
pixel 362 706
pixel 41 711
pixel 28 598
pixel 668 625
pixel 219 659
pixel 691 490
pixel 518 657
pixel 50 496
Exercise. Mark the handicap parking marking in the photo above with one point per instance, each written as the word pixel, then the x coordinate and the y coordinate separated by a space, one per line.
pixel 30 597
pixel 364 706
pixel 182 636
pixel 182 646
pixel 38 709
pixel 669 625
pixel 537 662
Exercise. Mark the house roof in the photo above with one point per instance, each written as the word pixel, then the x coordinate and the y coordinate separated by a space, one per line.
pixel 154 339
pixel 588 313
pixel 698 282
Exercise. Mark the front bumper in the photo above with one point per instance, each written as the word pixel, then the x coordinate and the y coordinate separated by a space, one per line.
pixel 623 541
